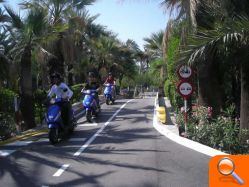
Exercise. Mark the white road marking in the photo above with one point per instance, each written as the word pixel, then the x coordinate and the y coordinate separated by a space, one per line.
pixel 19 143
pixel 43 140
pixel 61 170
pixel 184 141
pixel 83 147
pixel 88 125
pixel 4 153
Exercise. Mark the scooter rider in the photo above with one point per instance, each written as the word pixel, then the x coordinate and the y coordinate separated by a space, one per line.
pixel 92 84
pixel 62 91
pixel 110 80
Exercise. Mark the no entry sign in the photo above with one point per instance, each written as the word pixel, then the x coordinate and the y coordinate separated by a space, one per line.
pixel 185 89
pixel 184 72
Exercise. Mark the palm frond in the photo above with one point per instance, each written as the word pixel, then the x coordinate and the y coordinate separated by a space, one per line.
pixel 37 21
pixel 205 43
pixel 79 4
pixel 15 18
pixel 3 16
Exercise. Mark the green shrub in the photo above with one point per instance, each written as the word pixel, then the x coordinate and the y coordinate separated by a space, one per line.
pixel 39 98
pixel 222 133
pixel 7 101
pixel 7 125
pixel 77 95
pixel 170 92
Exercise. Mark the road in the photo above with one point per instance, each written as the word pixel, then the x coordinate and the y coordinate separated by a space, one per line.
pixel 121 149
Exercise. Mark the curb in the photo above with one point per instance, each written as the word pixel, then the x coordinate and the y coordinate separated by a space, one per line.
pixel 77 107
pixel 184 141
pixel 26 135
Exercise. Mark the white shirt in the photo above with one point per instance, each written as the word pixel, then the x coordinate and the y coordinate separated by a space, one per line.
pixel 59 91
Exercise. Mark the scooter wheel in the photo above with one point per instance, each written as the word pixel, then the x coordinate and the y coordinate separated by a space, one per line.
pixel 53 136
pixel 107 101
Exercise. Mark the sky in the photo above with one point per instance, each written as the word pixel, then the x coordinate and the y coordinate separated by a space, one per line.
pixel 130 19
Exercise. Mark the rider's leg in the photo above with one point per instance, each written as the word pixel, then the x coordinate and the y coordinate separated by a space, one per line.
pixel 67 113
pixel 97 100
pixel 114 92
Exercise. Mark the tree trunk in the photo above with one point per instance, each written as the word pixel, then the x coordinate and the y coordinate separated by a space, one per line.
pixel 210 90
pixel 244 102
pixel 27 103
pixel 120 81
pixel 44 77
pixel 57 64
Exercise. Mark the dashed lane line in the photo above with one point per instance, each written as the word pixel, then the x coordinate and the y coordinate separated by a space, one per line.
pixel 61 170
pixel 83 147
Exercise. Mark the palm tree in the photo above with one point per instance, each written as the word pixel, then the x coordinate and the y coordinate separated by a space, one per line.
pixel 231 39
pixel 186 9
pixel 3 43
pixel 103 50
pixel 27 35
pixel 154 47
pixel 59 13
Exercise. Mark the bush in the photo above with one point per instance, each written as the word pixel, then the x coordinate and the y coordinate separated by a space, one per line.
pixel 7 101
pixel 77 95
pixel 222 133
pixel 171 93
pixel 39 98
pixel 7 126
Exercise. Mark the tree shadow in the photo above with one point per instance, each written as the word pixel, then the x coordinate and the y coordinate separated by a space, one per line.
pixel 41 153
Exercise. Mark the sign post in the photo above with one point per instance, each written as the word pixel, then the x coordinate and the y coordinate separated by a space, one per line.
pixel 185 88
pixel 185 116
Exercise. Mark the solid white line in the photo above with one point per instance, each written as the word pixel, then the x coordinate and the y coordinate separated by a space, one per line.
pixel 83 147
pixel 88 125
pixel 4 153
pixel 43 140
pixel 19 143
pixel 184 141
pixel 61 170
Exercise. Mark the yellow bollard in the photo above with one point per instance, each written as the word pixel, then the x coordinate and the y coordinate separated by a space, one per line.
pixel 161 113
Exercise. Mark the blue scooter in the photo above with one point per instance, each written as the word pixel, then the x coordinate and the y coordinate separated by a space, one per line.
pixel 57 130
pixel 90 104
pixel 108 92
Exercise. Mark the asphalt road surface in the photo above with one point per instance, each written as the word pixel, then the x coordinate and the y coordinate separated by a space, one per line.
pixel 120 149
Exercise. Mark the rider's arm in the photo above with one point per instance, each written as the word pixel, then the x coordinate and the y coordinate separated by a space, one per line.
pixel 97 87
pixel 51 92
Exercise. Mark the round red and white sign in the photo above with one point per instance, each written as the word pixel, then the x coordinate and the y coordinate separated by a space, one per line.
pixel 184 72
pixel 185 89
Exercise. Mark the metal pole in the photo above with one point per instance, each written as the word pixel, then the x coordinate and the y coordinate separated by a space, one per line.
pixel 185 115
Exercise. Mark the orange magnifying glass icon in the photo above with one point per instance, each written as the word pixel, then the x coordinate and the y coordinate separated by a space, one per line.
pixel 226 167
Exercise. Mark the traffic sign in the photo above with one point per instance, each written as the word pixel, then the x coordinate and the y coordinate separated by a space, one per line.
pixel 184 72
pixel 185 89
